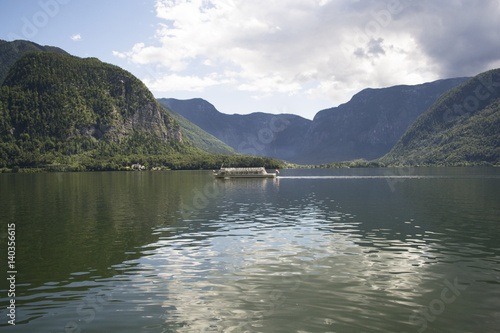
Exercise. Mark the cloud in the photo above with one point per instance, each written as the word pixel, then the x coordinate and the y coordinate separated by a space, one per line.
pixel 462 38
pixel 317 46
pixel 76 37
pixel 175 82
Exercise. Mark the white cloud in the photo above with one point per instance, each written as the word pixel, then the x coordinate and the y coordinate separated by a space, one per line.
pixel 332 47
pixel 269 84
pixel 76 37
pixel 120 54
pixel 175 82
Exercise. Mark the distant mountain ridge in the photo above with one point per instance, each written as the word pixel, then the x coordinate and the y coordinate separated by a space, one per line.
pixel 199 137
pixel 366 127
pixel 370 124
pixel 260 134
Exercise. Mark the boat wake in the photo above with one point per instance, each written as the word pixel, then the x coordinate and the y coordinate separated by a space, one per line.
pixel 362 177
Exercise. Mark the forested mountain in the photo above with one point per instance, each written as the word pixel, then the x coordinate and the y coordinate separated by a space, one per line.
pixel 60 111
pixel 10 52
pixel 261 134
pixel 54 105
pixel 370 124
pixel 461 128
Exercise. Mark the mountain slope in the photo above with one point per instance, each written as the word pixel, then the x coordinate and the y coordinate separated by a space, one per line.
pixel 369 124
pixel 10 52
pixel 461 128
pixel 55 105
pixel 367 127
pixel 197 136
pixel 260 134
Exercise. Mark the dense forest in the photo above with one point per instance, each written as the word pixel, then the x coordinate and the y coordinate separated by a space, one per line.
pixel 60 112
pixel 10 52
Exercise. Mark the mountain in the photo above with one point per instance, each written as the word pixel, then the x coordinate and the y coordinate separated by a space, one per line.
pixel 369 125
pixel 54 105
pixel 197 136
pixel 366 127
pixel 260 134
pixel 10 52
pixel 461 128
pixel 56 108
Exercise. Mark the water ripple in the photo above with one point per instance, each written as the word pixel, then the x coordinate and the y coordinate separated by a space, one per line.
pixel 294 255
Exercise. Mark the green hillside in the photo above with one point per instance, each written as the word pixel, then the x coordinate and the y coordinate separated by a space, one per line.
pixel 461 128
pixel 53 106
pixel 60 111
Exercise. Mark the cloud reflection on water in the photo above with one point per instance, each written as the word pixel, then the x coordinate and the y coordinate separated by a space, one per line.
pixel 263 265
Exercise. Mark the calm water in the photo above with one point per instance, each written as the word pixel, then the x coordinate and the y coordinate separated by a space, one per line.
pixel 347 250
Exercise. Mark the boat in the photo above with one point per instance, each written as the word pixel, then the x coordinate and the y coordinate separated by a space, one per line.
pixel 228 173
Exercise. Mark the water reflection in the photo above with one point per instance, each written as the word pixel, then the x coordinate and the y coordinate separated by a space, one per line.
pixel 181 252
pixel 267 266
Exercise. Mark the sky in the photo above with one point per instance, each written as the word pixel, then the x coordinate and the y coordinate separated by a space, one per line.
pixel 274 56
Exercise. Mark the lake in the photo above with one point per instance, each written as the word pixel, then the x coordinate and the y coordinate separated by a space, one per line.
pixel 316 250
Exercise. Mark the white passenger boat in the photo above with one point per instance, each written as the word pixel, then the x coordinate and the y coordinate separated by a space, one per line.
pixel 244 173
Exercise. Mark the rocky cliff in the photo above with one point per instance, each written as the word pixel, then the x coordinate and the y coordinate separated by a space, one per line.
pixel 56 103
pixel 369 125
